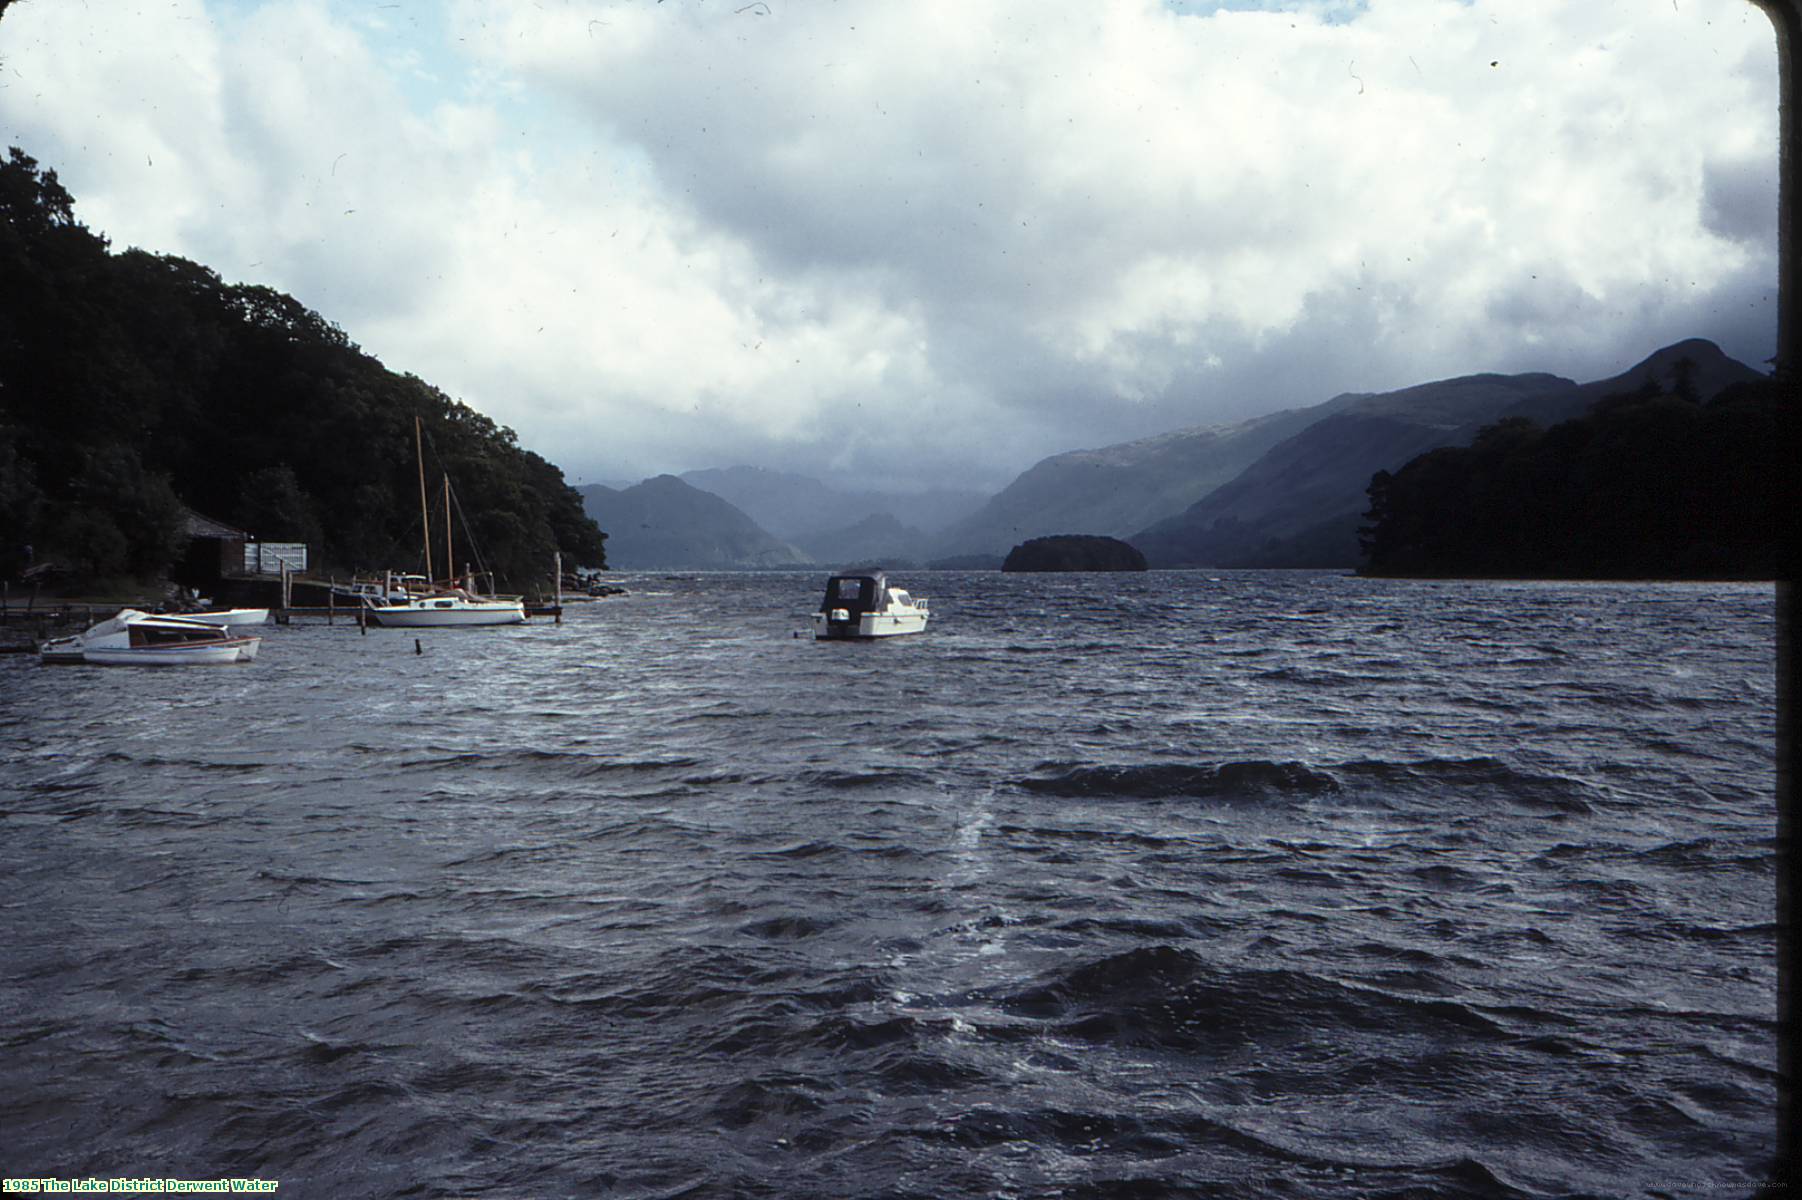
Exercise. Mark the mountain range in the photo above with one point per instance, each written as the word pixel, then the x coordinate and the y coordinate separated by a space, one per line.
pixel 1282 490
pixel 664 523
pixel 799 507
pixel 1300 504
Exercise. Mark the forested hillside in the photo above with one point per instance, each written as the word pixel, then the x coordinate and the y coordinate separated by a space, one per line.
pixel 1648 484
pixel 133 383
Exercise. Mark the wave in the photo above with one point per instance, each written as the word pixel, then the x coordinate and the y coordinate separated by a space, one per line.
pixel 583 764
pixel 1171 999
pixel 1252 779
pixel 782 1097
pixel 1104 1154
pixel 1319 677
pixel 1247 779
pixel 813 849
pixel 793 927
pixel 846 780
pixel 1708 854
pixel 1485 775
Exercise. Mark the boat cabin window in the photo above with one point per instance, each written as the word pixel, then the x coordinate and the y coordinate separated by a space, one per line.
pixel 152 635
pixel 899 596
pixel 855 593
pixel 442 604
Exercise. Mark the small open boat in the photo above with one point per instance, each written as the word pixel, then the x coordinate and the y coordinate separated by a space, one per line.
pixel 863 605
pixel 133 638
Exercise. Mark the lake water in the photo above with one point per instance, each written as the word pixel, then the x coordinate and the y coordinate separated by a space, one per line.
pixel 1244 884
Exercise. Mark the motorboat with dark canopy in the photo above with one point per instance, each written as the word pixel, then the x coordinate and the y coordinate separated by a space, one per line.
pixel 861 604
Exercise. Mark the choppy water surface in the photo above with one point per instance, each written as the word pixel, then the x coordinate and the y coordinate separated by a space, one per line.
pixel 1106 885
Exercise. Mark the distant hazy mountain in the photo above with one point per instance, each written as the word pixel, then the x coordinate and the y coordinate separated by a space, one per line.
pixel 797 506
pixel 1118 490
pixel 1301 503
pixel 1282 490
pixel 665 523
pixel 878 539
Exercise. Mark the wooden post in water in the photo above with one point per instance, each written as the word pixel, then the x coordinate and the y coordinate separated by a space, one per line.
pixel 331 601
pixel 559 617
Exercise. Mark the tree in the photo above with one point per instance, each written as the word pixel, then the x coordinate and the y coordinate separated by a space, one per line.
pixel 32 202
pixel 139 504
pixel 273 507
pixel 21 507
pixel 129 380
pixel 1646 485
pixel 1374 534
pixel 1683 380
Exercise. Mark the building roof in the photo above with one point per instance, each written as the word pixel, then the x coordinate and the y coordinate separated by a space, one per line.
pixel 197 526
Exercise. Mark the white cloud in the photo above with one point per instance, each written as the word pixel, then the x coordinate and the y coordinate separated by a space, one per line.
pixel 933 238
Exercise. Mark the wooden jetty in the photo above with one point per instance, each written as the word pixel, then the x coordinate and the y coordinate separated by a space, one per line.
pixel 355 614
pixel 27 623
pixel 23 629
pixel 284 610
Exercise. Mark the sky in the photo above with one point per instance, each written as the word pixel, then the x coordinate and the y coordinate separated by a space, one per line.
pixel 929 242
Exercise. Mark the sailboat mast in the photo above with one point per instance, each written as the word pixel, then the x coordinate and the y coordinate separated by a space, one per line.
pixel 450 564
pixel 425 515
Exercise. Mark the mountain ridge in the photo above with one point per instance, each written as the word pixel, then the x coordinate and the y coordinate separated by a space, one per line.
pixel 1115 490
pixel 798 507
pixel 1302 502
pixel 665 523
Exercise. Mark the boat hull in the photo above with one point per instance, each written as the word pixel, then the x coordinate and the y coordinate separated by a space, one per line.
pixel 63 652
pixel 231 616
pixel 861 605
pixel 232 650
pixel 867 625
pixel 399 617
pixel 139 639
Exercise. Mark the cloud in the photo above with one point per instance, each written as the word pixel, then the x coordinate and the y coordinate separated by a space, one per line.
pixel 934 240
pixel 1736 199
pixel 1122 191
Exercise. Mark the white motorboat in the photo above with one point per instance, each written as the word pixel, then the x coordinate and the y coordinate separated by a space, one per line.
pixel 230 616
pixel 133 638
pixel 863 605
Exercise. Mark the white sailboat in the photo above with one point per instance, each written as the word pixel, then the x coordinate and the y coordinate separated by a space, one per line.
pixel 404 603
pixel 443 607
